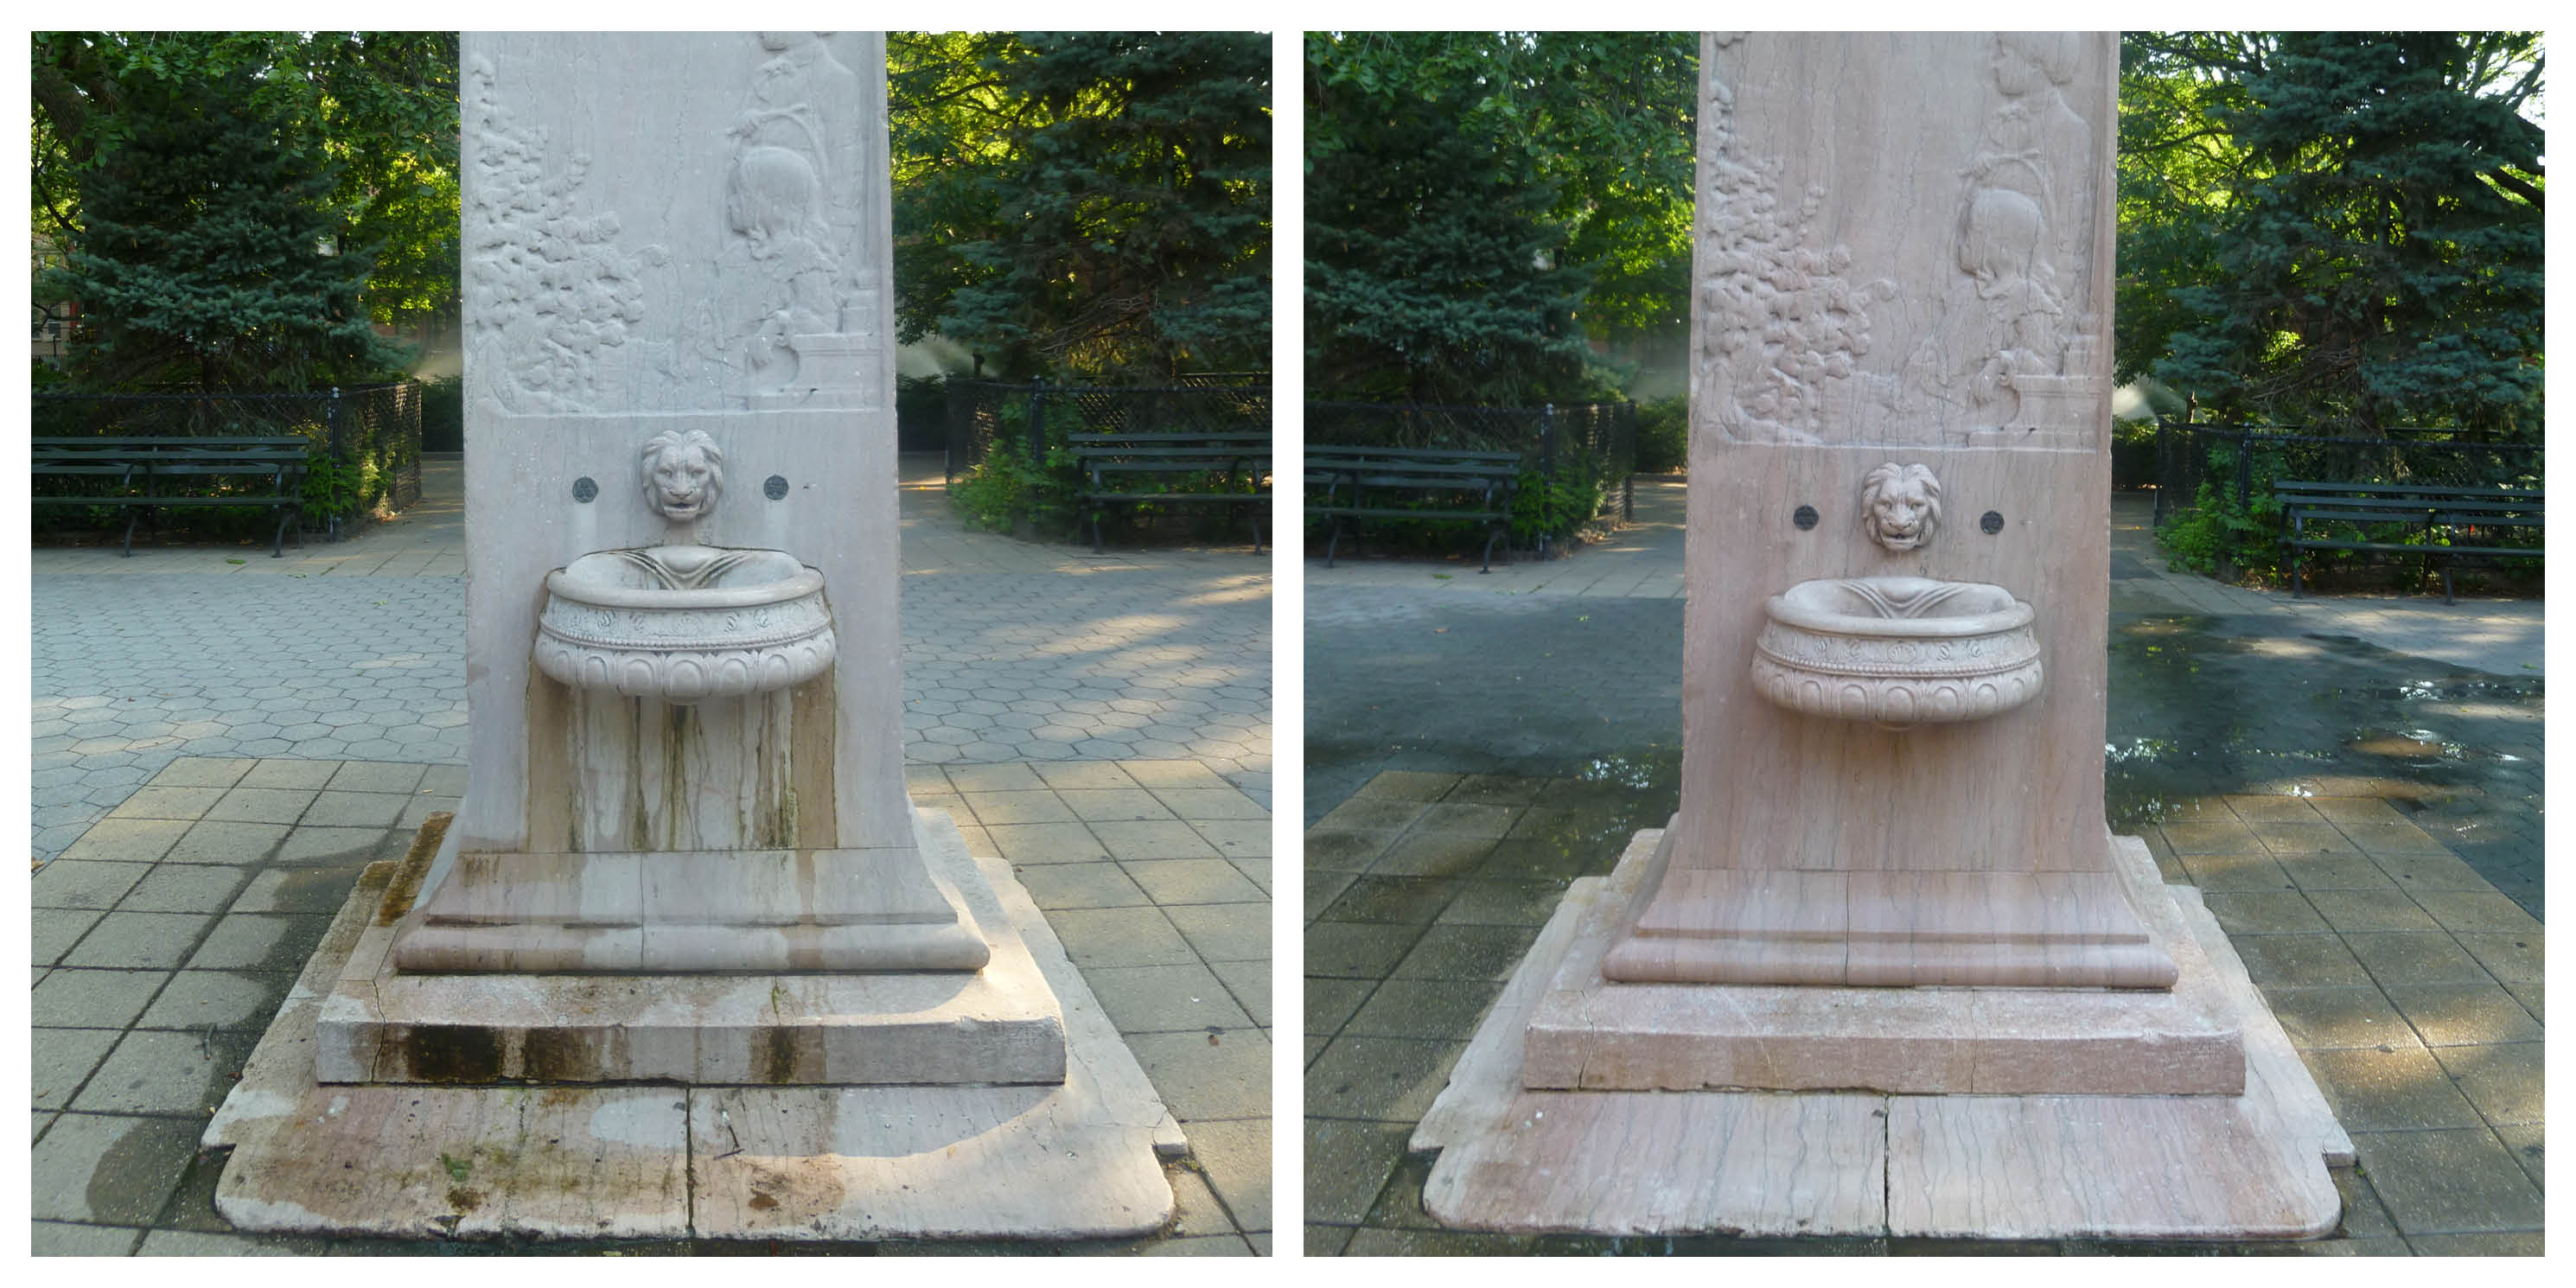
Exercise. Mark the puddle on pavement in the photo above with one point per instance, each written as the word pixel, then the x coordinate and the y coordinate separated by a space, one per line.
pixel 2195 711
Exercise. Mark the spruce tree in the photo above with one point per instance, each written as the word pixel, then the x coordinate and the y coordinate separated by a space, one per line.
pixel 207 252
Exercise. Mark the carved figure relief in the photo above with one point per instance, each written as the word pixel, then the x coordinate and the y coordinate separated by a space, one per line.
pixel 1782 321
pixel 1900 506
pixel 1999 356
pixel 796 298
pixel 548 291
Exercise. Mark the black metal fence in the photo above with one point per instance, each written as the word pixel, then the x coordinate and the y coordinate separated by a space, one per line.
pixel 1033 414
pixel 2244 460
pixel 1602 437
pixel 366 441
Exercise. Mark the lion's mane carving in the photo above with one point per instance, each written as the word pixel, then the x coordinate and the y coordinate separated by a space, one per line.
pixel 1900 505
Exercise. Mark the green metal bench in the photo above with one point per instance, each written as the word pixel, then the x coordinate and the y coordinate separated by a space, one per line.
pixel 1366 482
pixel 144 475
pixel 1110 461
pixel 2453 521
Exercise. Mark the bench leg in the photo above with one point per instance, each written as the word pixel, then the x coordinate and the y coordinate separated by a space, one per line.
pixel 1333 542
pixel 132 513
pixel 1096 546
pixel 2294 573
pixel 277 543
pixel 1256 528
pixel 1492 536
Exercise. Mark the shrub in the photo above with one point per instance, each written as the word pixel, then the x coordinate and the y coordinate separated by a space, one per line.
pixel 1663 435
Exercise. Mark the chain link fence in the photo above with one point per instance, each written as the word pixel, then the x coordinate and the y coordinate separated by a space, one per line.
pixel 366 441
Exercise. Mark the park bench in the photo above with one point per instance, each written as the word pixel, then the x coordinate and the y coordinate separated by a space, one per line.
pixel 2450 521
pixel 143 475
pixel 1194 469
pixel 1444 485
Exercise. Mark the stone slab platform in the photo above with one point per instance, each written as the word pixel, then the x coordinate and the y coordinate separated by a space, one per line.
pixel 1779 1163
pixel 1586 1032
pixel 1075 1160
pixel 996 1025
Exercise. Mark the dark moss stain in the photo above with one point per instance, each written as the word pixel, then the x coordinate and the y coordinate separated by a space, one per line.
pixel 554 1055
pixel 778 1057
pixel 405 888
pixel 449 1052
pixel 463 1200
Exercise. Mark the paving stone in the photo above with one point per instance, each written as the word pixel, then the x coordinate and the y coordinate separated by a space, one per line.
pixel 2476 911
pixel 1354 950
pixel 62 1060
pixel 1178 881
pixel 262 805
pixel 1156 840
pixel 200 1243
pixel 84 883
pixel 1249 981
pixel 336 808
pixel 2336 872
pixel 1467 820
pixel 65 1239
pixel 377 776
pixel 996 809
pixel 2362 911
pixel 226 999
pixel 1224 931
pixel 183 887
pixel 1409 785
pixel 2527 1143
pixel 1387 1079
pixel 1039 843
pixel 75 997
pixel 1201 805
pixel 331 845
pixel 56 930
pixel 2511 958
pixel 203 771
pixel 2505 1081
pixel 2267 913
pixel 1466 952
pixel 1344 851
pixel 103 1168
pixel 2479 1245
pixel 1370 814
pixel 302 775
pixel 1083 774
pixel 259 941
pixel 139 939
pixel 1159 774
pixel 1165 999
pixel 1435 854
pixel 2464 1014
pixel 2401 959
pixel 153 1071
pixel 2335 1018
pixel 168 803
pixel 1236 838
pixel 1424 1008
pixel 228 844
pixel 2400 1090
pixel 994 778
pixel 1080 885
pixel 127 840
pixel 1401 900
pixel 1235 1155
pixel 2448 1182
pixel 1120 937
pixel 1199 1078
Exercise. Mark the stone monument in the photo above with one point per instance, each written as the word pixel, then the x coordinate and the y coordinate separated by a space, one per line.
pixel 1901 975
pixel 685 922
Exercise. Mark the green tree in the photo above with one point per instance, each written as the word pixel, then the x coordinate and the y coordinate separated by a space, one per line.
pixel 376 110
pixel 2339 228
pixel 1095 203
pixel 1480 205
pixel 205 249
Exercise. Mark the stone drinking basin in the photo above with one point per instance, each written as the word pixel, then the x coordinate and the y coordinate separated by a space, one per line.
pixel 684 623
pixel 1897 651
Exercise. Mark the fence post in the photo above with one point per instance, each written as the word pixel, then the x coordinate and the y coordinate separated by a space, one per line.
pixel 331 419
pixel 1627 453
pixel 1024 523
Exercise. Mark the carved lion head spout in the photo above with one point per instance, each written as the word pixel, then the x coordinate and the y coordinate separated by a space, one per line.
pixel 683 474
pixel 1900 505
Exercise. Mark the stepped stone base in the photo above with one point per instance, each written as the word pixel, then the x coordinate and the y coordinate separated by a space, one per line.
pixel 996 1025
pixel 2250 1165
pixel 1079 1158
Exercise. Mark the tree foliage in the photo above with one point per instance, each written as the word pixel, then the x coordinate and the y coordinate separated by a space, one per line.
pixel 236 206
pixel 1481 205
pixel 2335 228
pixel 1094 203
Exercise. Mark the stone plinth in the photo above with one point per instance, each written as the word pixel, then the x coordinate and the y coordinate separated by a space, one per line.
pixel 1072 1158
pixel 381 1023
pixel 2250 1165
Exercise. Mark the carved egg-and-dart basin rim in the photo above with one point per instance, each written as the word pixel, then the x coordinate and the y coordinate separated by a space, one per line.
pixel 685 646
pixel 1897 651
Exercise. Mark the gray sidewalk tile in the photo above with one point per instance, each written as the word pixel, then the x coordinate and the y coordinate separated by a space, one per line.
pixel 1225 931
pixel 1249 982
pixel 1165 999
pixel 1038 843
pixel 86 998
pixel 1172 839
pixel 127 840
pixel 180 887
pixel 105 1168
pixel 1227 1077
pixel 228 844
pixel 262 805
pixel 226 999
pixel 337 808
pixel 203 771
pixel 259 941
pixel 139 939
pixel 63 1239
pixel 1235 1155
pixel 1120 937
pixel 189 803
pixel 2449 1182
pixel 2449 1015
pixel 63 1060
pixel 56 931
pixel 2401 1090
pixel 1179 881
pixel 364 776
pixel 1056 886
pixel 1112 805
pixel 2413 958
pixel 1386 1079
pixel 153 1071
pixel 82 883
pixel 293 775
pixel 2505 1082
pixel 1236 838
